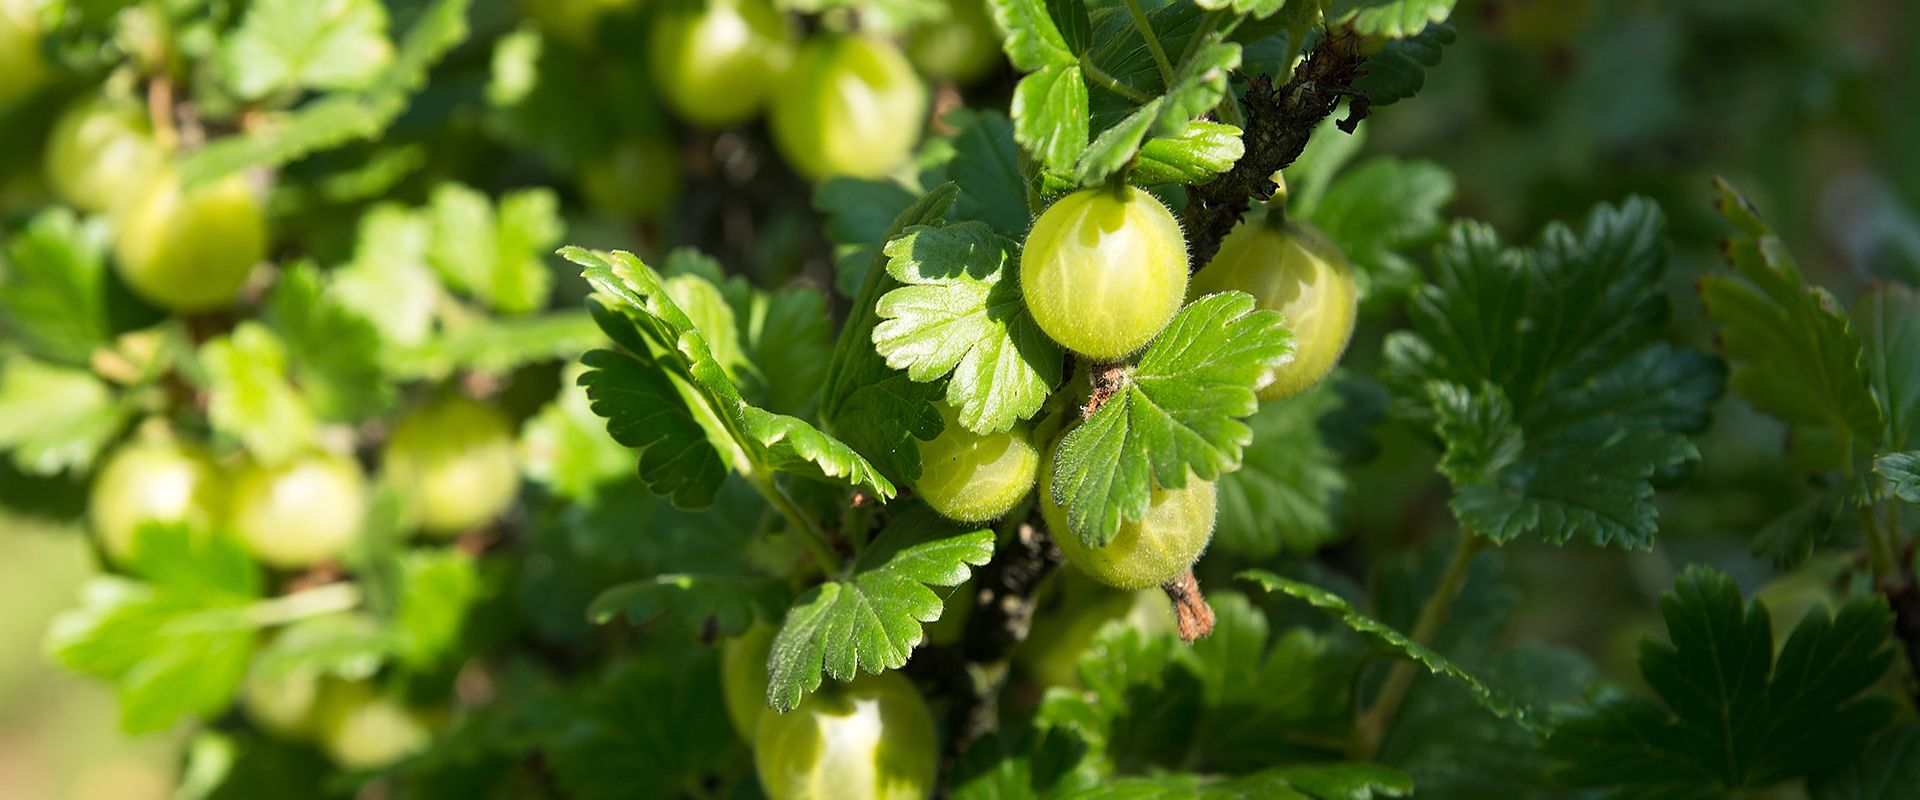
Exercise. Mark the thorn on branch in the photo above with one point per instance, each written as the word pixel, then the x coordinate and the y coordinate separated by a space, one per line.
pixel 1192 616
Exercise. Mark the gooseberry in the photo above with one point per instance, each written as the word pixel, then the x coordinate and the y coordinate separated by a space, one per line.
pixel 962 48
pixel 715 66
pixel 972 477
pixel 872 739
pixel 454 460
pixel 1294 268
pixel 851 105
pixel 154 482
pixel 743 677
pixel 300 513
pixel 190 250
pixel 1143 553
pixel 1103 270
pixel 20 58
pixel 101 154
pixel 361 729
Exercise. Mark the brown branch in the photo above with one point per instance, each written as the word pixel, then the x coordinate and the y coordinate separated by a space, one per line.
pixel 1192 616
pixel 1003 606
pixel 1277 128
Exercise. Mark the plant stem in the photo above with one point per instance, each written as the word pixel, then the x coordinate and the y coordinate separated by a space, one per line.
pixel 798 520
pixel 1153 42
pixel 1885 566
pixel 1110 83
pixel 1207 24
pixel 1371 729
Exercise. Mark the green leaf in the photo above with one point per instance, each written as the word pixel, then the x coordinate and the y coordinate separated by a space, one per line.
pixel 667 374
pixel 731 603
pixel 1796 356
pixel 341 117
pixel 334 352
pixel 872 618
pixel 249 398
pixel 1452 748
pixel 317 44
pixel 497 256
pixel 1265 694
pixel 53 284
pixel 1040 763
pixel 789 334
pixel 859 210
pixel 1888 318
pixel 650 727
pixel 1889 770
pixel 1283 493
pixel 1500 703
pixel 56 418
pixel 1050 115
pixel 1032 43
pixel 645 410
pixel 566 447
pixel 1195 156
pixel 350 645
pixel 1380 208
pixel 166 640
pixel 1559 405
pixel 1176 414
pixel 1198 85
pixel 986 168
pixel 1735 715
pixel 1260 9
pixel 389 282
pixel 1903 470
pixel 1393 19
pixel 1399 70
pixel 961 313
pixel 437 586
pixel 1349 781
pixel 877 409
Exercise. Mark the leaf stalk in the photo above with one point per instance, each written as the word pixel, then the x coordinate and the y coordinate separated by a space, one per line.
pixel 1371 728
pixel 1153 42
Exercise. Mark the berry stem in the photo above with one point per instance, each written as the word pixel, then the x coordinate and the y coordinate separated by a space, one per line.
pixel 1192 616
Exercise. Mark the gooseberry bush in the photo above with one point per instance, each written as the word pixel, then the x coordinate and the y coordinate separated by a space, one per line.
pixel 445 391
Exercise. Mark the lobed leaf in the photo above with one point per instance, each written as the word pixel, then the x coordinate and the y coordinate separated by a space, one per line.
pixel 1282 496
pixel 1735 714
pixel 732 603
pixel 986 168
pixel 871 618
pixel 1378 209
pixel 1887 316
pixel 1903 471
pixel 961 314
pixel 318 44
pixel 1392 19
pixel 53 286
pixel 1176 415
pixel 1889 770
pixel 56 418
pixel 1194 156
pixel 333 353
pixel 1399 70
pixel 249 397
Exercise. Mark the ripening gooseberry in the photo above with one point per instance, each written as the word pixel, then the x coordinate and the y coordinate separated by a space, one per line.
pixel 850 105
pixel 639 177
pixel 1103 270
pixel 743 677
pixel 101 154
pixel 972 477
pixel 302 512
pixel 871 739
pixel 154 482
pixel 716 65
pixel 1296 269
pixel 190 250
pixel 961 48
pixel 454 460
pixel 361 729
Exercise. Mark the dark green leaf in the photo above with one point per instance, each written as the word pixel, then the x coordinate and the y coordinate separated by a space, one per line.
pixel 1796 355
pixel 1070 19
pixel 1455 750
pixel 1399 70
pixel 961 314
pixel 1380 208
pixel 1563 404
pixel 52 286
pixel 986 167
pixel 1501 704
pixel 872 619
pixel 1735 716
pixel 1889 770
pixel 1283 493
pixel 645 410
pixel 651 725
pixel 1350 781
pixel 1177 414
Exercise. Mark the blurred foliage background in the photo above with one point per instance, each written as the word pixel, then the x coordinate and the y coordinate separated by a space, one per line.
pixel 1542 108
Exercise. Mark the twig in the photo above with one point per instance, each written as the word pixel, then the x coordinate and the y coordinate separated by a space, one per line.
pixel 1278 124
pixel 1192 616
pixel 1003 607
pixel 1371 729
